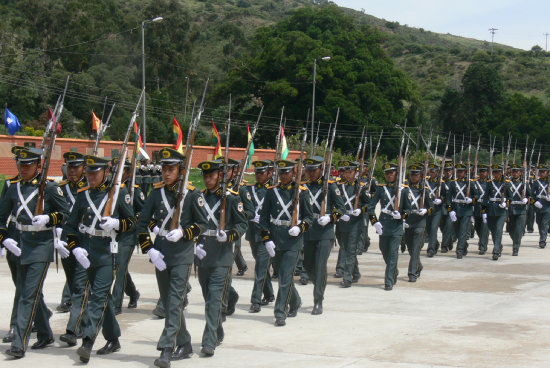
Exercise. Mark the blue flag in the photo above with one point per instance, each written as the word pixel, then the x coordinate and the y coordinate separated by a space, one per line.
pixel 11 122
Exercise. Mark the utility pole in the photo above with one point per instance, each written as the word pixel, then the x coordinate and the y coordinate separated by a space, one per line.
pixel 493 31
pixel 546 34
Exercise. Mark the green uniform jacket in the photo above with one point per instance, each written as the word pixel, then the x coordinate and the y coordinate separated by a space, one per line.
pixel 257 194
pixel 431 193
pixel 347 192
pixel 413 204
pixel 334 208
pixel 456 193
pixel 70 192
pixel 390 226
pixel 515 197
pixel 129 238
pixel 36 246
pixel 481 188
pixel 493 196
pixel 539 193
pixel 246 199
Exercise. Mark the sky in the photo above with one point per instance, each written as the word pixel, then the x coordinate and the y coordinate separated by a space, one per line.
pixel 520 24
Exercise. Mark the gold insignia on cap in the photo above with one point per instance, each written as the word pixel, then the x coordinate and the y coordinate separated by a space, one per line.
pixel 282 164
pixel 309 161
pixel 206 166
pixel 90 161
pixel 165 154
pixel 258 164
pixel 23 154
pixel 72 157
pixel 387 166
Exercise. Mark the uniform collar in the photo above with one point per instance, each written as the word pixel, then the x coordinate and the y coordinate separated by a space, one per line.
pixel 173 187
pixel 33 181
pixel 79 184
pixel 288 186
pixel 258 186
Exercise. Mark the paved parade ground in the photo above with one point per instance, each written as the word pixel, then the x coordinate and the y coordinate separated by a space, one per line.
pixel 473 312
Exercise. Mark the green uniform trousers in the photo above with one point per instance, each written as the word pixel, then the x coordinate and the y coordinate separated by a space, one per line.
pixel 543 220
pixel 414 236
pixel 66 294
pixel 530 221
pixel 238 256
pixel 172 283
pixel 517 225
pixel 215 283
pixel 14 263
pixel 461 226
pixel 287 296
pixel 31 306
pixel 122 280
pixel 432 224
pixel 77 281
pixel 447 232
pixel 101 311
pixel 316 255
pixel 496 226
pixel 482 231
pixel 262 279
pixel 340 261
pixel 389 246
pixel 349 242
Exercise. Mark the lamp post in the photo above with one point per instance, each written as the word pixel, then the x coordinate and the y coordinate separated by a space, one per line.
pixel 326 58
pixel 157 19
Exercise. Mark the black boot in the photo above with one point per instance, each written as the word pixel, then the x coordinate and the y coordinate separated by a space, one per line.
pixel 9 336
pixel 133 300
pixel 85 350
pixel 182 352
pixel 164 360
pixel 111 346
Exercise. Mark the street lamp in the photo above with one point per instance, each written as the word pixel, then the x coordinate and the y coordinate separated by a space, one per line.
pixel 326 58
pixel 157 19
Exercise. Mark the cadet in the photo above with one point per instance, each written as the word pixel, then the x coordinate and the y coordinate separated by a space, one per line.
pixel 93 251
pixel 282 240
pixel 126 244
pixel 530 220
pixel 145 176
pixel 262 280
pixel 419 206
pixel 370 189
pixel 460 199
pixel 390 224
pixel 215 251
pixel 517 211
pixel 446 226
pixel 541 201
pixel 434 218
pixel 317 241
pixel 172 251
pixel 480 225
pixel 36 240
pixel 349 229
pixel 496 205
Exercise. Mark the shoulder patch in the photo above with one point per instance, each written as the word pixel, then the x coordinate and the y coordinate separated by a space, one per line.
pixel 337 191
pixel 59 191
pixel 200 201
pixel 83 189
pixel 158 185
pixel 248 195
pixel 142 196
pixel 127 198
pixel 240 207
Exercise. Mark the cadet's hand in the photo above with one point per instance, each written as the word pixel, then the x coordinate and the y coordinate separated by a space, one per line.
pixel 345 218
pixel 294 231
pixel 2 252
pixel 502 205
pixel 538 204
pixel 156 230
pixel 396 215
pixel 109 223
pixel 452 215
pixel 256 219
pixel 323 220
pixel 11 245
pixel 356 212
pixel 378 226
pixel 40 220
pixel 422 211
pixel 82 228
pixel 221 236
pixel 406 227
pixel 61 247
pixel 525 200
pixel 270 246
pixel 437 201
pixel 484 217
pixel 199 251
pixel 157 258
pixel 174 235
pixel 468 200
pixel 81 256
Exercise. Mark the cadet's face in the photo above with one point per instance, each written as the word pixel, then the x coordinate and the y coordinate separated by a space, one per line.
pixel 415 178
pixel 348 175
pixel 286 177
pixel 261 177
pixel 543 174
pixel 211 179
pixel 460 174
pixel 95 178
pixel 28 171
pixel 125 175
pixel 433 174
pixel 74 173
pixel 483 174
pixel 497 175
pixel 448 173
pixel 170 174
pixel 314 175
pixel 516 174
pixel 390 176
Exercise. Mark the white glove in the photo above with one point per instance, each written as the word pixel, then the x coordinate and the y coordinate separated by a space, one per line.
pixel 61 247
pixel 81 256
pixel 524 200
pixel 406 225
pixel 345 218
pixel 11 245
pixel 323 220
pixel 502 205
pixel 270 246
pixel 82 228
pixel 452 215
pixel 294 231
pixel 437 201
pixel 109 223
pixel 484 217
pixel 40 220
pixel 538 204
pixel 356 212
pixel 468 200
pixel 396 215
pixel 2 252
pixel 547 198
pixel 256 219
pixel 422 211
pixel 199 251
pixel 378 226
pixel 58 232
pixel 157 258
pixel 174 235
pixel 221 236
pixel 156 230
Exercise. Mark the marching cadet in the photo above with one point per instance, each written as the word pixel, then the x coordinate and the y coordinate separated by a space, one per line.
pixel 215 251
pixel 389 226
pixel 35 250
pixel 349 229
pixel 172 251
pixel 419 206
pixel 370 189
pixel 541 201
pixel 434 218
pixel 460 199
pixel 518 210
pixel 446 226
pixel 317 241
pixel 282 240
pixel 145 176
pixel 496 208
pixel 262 280
pixel 480 225
pixel 126 244
pixel 93 251
pixel 77 279
pixel 530 220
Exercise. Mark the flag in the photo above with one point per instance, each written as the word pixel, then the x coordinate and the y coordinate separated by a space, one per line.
pixel 58 126
pixel 96 123
pixel 284 147
pixel 140 142
pixel 178 136
pixel 11 122
pixel 216 135
pixel 251 149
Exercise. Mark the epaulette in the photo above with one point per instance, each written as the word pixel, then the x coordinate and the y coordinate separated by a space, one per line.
pixel 362 184
pixel 382 185
pixel 405 185
pixel 122 185
pixel 303 187
pixel 190 187
pixel 232 191
pixel 273 186
pixel 15 180
pixel 304 182
pixel 83 189
pixel 508 180
pixel 158 185
pixel 203 190
pixel 245 181
pixel 332 181
pixel 136 186
pixel 50 179
pixel 63 182
pixel 250 185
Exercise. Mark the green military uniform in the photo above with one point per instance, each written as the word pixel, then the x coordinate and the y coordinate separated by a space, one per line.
pixel 177 251
pixel 518 209
pixel 480 226
pixel 446 226
pixel 86 218
pixel 36 250
pixel 530 219
pixel 215 266
pixel 318 240
pixel 434 217
pixel 495 206
pixel 541 201
pixel 276 222
pixel 370 188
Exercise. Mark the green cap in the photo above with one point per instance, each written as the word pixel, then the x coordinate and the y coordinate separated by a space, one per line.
pixel 209 166
pixel 170 156
pixel 285 165
pixel 388 166
pixel 73 158
pixel 95 163
pixel 314 162
pixel 262 165
pixel 27 155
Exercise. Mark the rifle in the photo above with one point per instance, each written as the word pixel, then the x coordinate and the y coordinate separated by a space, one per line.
pixel 524 194
pixel 133 167
pixel 360 146
pixel 469 174
pixel 102 128
pixel 399 171
pixel 454 157
pixel 462 148
pixel 223 204
pixel 373 160
pixel 475 159
pixel 51 121
pixel 294 221
pixel 275 177
pixel 503 187
pixel 328 166
pixel 538 158
pixel 361 168
pixel 531 158
pixel 402 174
pixel 184 174
pixel 326 142
pixel 244 161
pixel 491 153
pixel 426 163
pixel 515 148
pixel 438 191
